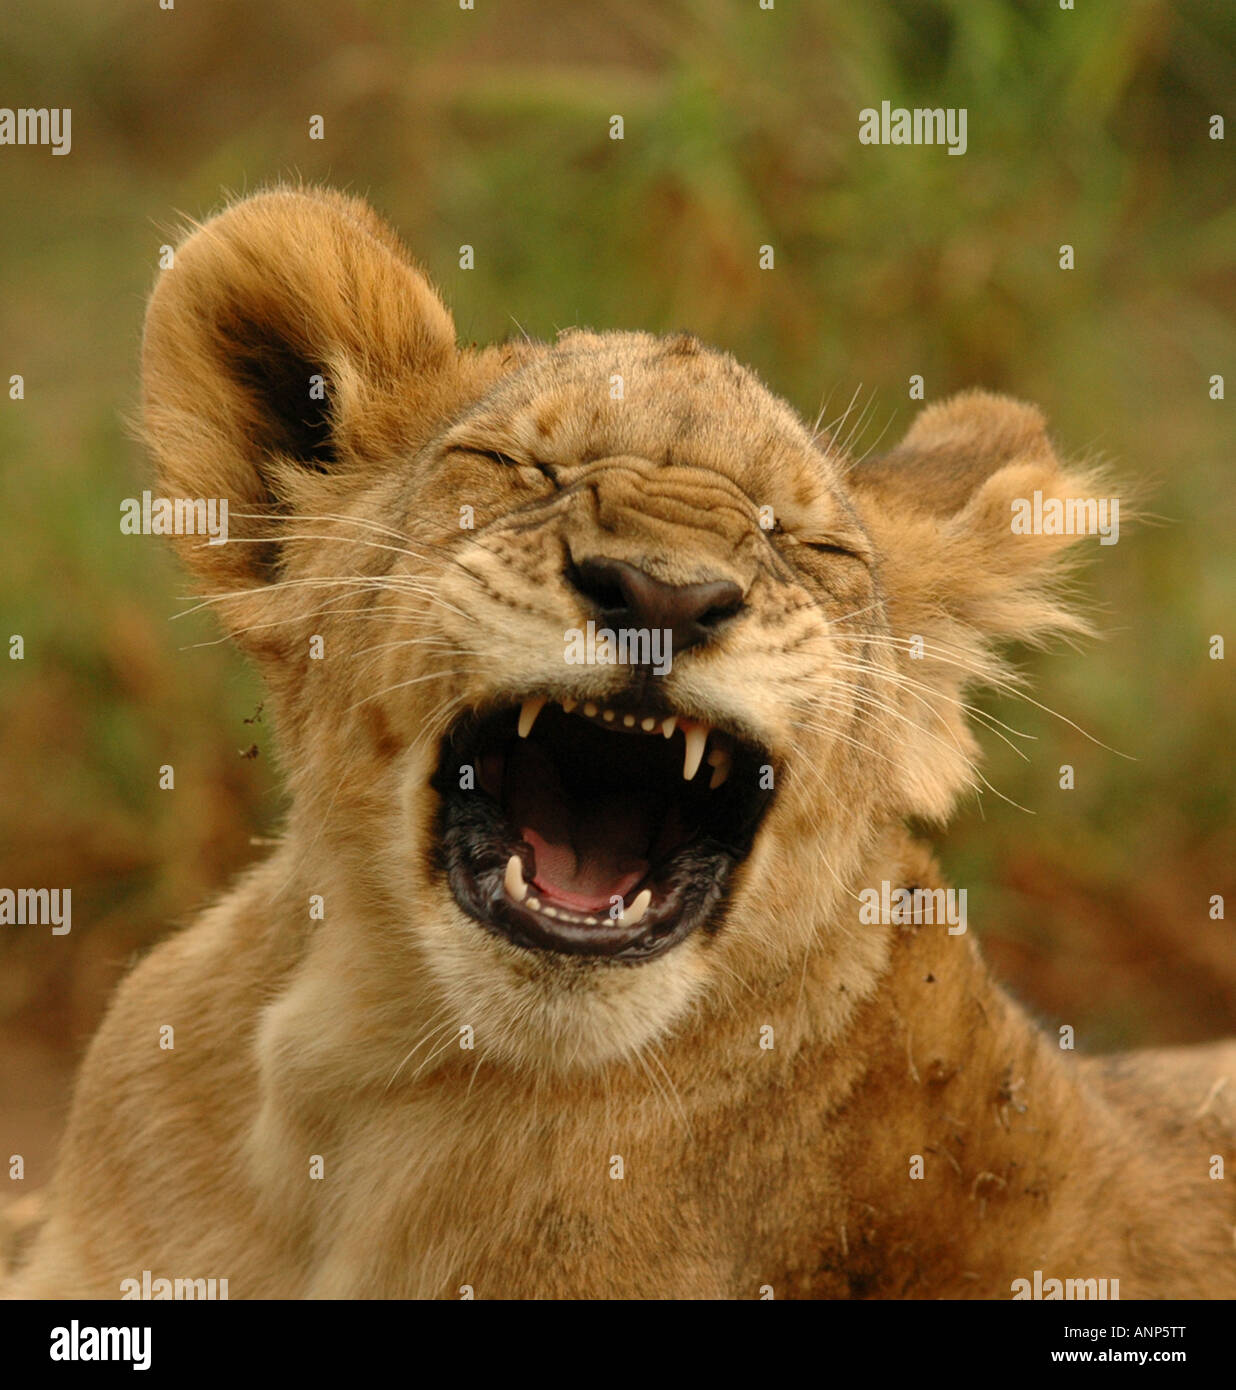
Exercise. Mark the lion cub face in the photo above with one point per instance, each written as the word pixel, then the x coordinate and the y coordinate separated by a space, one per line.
pixel 598 672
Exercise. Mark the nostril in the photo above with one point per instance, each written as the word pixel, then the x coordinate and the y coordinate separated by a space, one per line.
pixel 724 606
pixel 596 582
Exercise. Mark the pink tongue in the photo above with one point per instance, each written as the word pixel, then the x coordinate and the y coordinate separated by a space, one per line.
pixel 587 882
pixel 587 852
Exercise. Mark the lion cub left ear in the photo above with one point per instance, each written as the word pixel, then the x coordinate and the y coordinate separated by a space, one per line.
pixel 959 573
pixel 968 514
pixel 291 344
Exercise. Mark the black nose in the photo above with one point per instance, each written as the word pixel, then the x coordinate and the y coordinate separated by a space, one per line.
pixel 631 597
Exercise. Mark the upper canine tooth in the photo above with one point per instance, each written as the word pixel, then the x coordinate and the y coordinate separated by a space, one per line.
pixel 634 914
pixel 513 879
pixel 669 726
pixel 528 712
pixel 696 741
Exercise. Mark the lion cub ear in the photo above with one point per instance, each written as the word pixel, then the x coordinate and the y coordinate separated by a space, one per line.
pixel 291 344
pixel 960 570
pixel 946 508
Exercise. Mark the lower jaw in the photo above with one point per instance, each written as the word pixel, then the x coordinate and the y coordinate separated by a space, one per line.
pixel 683 904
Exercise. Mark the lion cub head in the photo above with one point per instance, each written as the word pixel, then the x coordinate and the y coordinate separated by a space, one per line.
pixel 598 673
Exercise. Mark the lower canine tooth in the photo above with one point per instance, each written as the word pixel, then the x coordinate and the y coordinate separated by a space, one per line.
pixel 513 879
pixel 696 741
pixel 528 712
pixel 721 770
pixel 633 915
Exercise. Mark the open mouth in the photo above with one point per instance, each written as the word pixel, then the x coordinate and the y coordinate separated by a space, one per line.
pixel 596 830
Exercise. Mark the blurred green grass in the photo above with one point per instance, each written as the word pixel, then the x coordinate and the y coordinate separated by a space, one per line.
pixel 490 128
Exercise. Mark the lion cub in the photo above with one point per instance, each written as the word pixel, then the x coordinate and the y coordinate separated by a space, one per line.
pixel 584 969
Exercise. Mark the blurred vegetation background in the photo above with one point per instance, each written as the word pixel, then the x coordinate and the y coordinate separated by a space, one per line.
pixel 491 127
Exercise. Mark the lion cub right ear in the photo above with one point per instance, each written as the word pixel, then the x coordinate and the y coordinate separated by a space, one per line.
pixel 291 346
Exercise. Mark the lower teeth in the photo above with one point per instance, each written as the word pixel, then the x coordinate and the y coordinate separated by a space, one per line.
pixel 517 890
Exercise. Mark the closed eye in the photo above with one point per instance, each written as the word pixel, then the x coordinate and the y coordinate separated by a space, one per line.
pixel 495 456
pixel 546 470
pixel 833 548
pixel 829 547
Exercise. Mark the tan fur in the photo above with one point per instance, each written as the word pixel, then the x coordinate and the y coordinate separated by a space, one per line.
pixel 744 1167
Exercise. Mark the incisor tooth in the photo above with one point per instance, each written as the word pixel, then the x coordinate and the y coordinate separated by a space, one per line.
pixel 590 710
pixel 629 720
pixel 669 726
pixel 696 741
pixel 608 716
pixel 568 705
pixel 634 915
pixel 528 712
pixel 648 724
pixel 513 879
